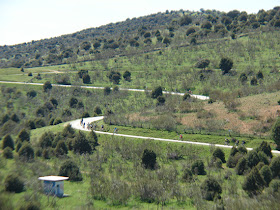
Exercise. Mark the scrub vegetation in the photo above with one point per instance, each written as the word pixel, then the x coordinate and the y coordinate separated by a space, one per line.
pixel 231 57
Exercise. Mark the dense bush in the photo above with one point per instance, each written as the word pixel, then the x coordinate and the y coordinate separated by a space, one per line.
pixel 46 139
pixel 275 166
pixel 107 91
pixel 8 142
pixel 187 175
pixel 97 110
pixel 198 168
pixel 241 166
pixel 275 185
pixel 210 189
pixel 26 152
pixel 149 159
pixel 47 86
pixel 13 184
pixel 31 94
pixel 266 174
pixel 61 148
pixel 81 144
pixel 219 153
pixel 156 92
pixel 57 121
pixel 253 183
pixel 225 65
pixel 276 133
pixel 73 102
pixel 24 136
pixel 71 170
pixel 8 153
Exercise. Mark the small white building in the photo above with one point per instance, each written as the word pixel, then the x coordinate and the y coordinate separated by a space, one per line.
pixel 54 185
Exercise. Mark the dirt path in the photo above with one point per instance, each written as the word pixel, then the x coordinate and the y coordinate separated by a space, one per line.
pixel 201 97
pixel 76 124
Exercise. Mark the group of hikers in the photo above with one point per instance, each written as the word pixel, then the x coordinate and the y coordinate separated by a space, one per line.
pixel 236 142
pixel 89 126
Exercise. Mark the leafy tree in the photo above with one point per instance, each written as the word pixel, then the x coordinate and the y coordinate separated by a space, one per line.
pixel 26 152
pixel 107 91
pixel 234 14
pixel 127 76
pixel 275 166
pixel 219 153
pixel 73 102
pixel 210 189
pixel 97 110
pixel 71 170
pixel 149 159
pixel 54 102
pixel 266 174
pixel 185 20
pixel 265 147
pixel 46 139
pixel 160 101
pixel 253 158
pixel 276 133
pixel 254 81
pixel 225 65
pixel 202 64
pixel 198 168
pixel 156 92
pixel 193 41
pixel 31 94
pixel 86 79
pixel 13 184
pixel 68 131
pixel 116 78
pixel 8 142
pixel 166 41
pixel 81 144
pixel 47 86
pixel 206 25
pixel 233 151
pixel 93 139
pixel 23 135
pixel 61 148
pixel 260 75
pixel 190 30
pixel 81 73
pixel 8 153
pixel 241 166
pixel 243 78
pixel 275 185
pixel 253 183
pixel 187 175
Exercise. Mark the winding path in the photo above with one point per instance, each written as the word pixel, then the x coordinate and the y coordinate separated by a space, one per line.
pixel 76 125
pixel 201 97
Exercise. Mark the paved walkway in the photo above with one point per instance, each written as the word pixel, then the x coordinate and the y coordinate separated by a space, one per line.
pixel 201 97
pixel 76 124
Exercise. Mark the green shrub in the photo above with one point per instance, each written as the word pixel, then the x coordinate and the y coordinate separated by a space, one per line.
pixel 31 94
pixel 15 118
pixel 8 142
pixel 31 124
pixel 149 159
pixel 47 86
pixel 24 136
pixel 81 144
pixel 85 115
pixel 265 147
pixel 275 185
pixel 210 189
pixel 13 184
pixel 26 152
pixel 57 121
pixel 241 166
pixel 47 153
pixel 198 168
pixel 73 102
pixel 219 153
pixel 266 174
pixel 68 131
pixel 71 170
pixel 8 153
pixel 107 91
pixel 253 158
pixel 46 139
pixel 253 183
pixel 61 148
pixel 187 175
pixel 18 146
pixel 275 166
pixel 156 92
